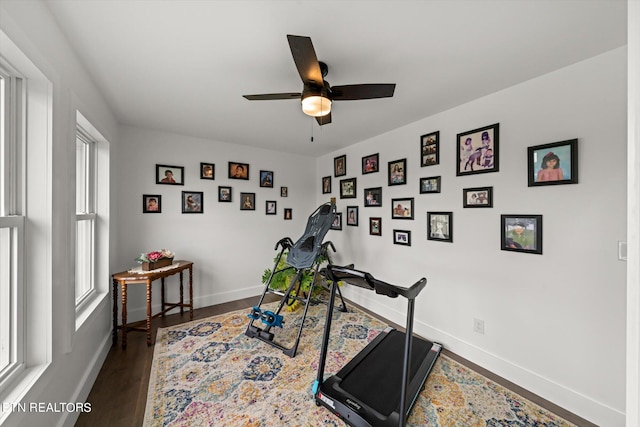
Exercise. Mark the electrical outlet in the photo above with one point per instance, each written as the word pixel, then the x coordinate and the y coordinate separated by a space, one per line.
pixel 478 326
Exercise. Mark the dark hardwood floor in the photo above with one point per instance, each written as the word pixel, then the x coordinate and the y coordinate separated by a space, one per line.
pixel 119 395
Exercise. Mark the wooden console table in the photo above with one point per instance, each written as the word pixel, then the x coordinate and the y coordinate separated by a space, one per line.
pixel 126 278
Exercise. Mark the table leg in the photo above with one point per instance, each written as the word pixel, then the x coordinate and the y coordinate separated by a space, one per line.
pixel 162 297
pixel 181 295
pixel 124 314
pixel 114 339
pixel 149 312
pixel 191 293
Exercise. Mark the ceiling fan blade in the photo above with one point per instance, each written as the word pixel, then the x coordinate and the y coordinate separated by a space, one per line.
pixel 305 58
pixel 324 120
pixel 273 96
pixel 362 91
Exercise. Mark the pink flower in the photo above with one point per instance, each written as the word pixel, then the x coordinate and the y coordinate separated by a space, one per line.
pixel 154 256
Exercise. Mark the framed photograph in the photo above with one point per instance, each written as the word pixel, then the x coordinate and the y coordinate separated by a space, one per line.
pixel 553 164
pixel 151 203
pixel 521 233
pixel 225 194
pixel 479 197
pixel 270 207
pixel 348 188
pixel 337 222
pixel 266 179
pixel 238 170
pixel 372 197
pixel 284 192
pixel 288 213
pixel 402 237
pixel 478 150
pixel 340 165
pixel 171 175
pixel 352 215
pixel 398 172
pixel 192 202
pixel 370 164
pixel 430 185
pixel 402 208
pixel 326 185
pixel 247 201
pixel 207 171
pixel 375 226
pixel 430 149
pixel 440 226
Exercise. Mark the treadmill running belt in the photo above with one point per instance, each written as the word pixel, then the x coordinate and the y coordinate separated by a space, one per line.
pixel 377 379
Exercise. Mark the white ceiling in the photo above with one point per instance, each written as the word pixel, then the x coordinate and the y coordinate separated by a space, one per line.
pixel 182 66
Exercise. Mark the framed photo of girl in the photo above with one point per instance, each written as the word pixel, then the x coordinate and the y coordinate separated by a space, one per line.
pixel 521 233
pixel 151 203
pixel 372 197
pixel 337 222
pixel 375 226
pixel 478 150
pixel 479 197
pixel 398 172
pixel 340 165
pixel 553 164
pixel 430 149
pixel 352 215
pixel 192 202
pixel 225 194
pixel 326 185
pixel 370 164
pixel 207 171
pixel 171 175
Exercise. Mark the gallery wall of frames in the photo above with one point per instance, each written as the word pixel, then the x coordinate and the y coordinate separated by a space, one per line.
pixel 477 152
pixel 193 202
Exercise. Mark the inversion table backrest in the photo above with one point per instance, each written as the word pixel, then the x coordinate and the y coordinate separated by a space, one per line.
pixel 305 251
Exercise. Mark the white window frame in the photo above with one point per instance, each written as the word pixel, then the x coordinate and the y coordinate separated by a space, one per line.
pixel 27 212
pixel 86 241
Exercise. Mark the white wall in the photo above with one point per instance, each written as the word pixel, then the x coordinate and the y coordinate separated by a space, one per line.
pixel 554 323
pixel 74 357
pixel 230 248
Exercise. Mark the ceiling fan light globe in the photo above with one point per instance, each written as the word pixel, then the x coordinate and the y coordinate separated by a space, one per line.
pixel 316 106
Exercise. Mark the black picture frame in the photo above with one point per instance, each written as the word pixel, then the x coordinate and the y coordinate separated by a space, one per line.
pixel 340 166
pixel 521 233
pixel 397 172
pixel 169 175
pixel 477 197
pixel 564 158
pixel 430 149
pixel 337 222
pixel 372 197
pixel 192 202
pixel 284 192
pixel 271 207
pixel 370 163
pixel 151 203
pixel 352 216
pixel 375 226
pixel 431 184
pixel 225 194
pixel 348 188
pixel 402 208
pixel 440 226
pixel 266 179
pixel 402 237
pixel 239 170
pixel 207 171
pixel 478 150
pixel 247 201
pixel 326 185
pixel 288 214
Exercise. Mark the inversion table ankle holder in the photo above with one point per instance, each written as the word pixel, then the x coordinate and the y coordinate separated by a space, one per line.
pixel 302 256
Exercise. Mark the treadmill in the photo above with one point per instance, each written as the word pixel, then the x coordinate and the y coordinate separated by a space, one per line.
pixel 380 385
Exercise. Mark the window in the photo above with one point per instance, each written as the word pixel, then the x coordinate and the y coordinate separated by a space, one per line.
pixel 11 221
pixel 85 215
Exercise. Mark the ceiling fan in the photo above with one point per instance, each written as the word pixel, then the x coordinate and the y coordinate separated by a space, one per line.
pixel 317 95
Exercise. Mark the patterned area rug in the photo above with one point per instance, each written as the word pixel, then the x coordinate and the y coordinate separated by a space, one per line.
pixel 208 373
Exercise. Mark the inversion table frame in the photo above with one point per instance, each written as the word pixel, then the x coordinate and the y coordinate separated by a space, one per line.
pixel 302 256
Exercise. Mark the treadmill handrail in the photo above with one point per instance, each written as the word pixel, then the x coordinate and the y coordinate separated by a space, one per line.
pixel 367 281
